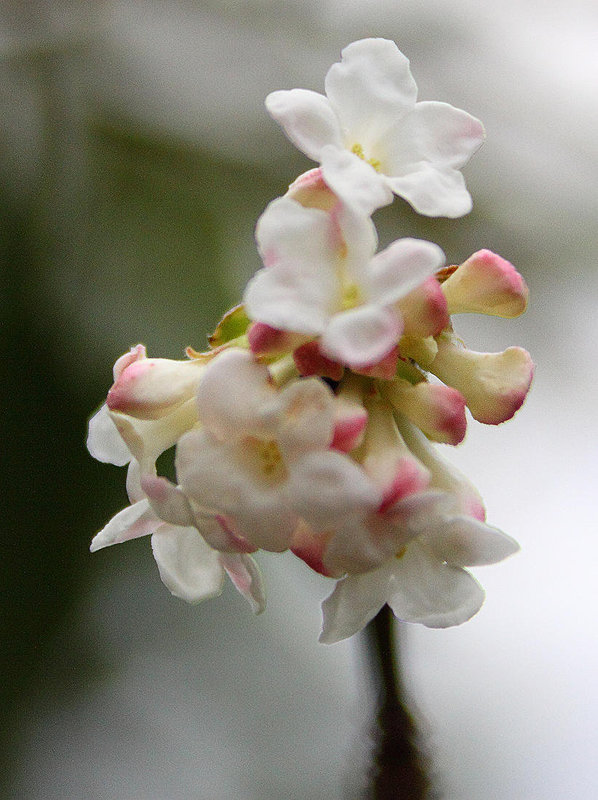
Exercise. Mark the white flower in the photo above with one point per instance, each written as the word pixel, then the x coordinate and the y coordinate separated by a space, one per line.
pixel 262 459
pixel 188 566
pixel 438 532
pixel 372 138
pixel 323 280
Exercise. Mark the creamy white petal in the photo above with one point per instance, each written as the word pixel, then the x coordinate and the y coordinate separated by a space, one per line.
pixel 401 267
pixel 326 485
pixel 229 478
pixel 435 133
pixel 188 566
pixel 356 182
pixel 467 542
pixel 307 119
pixel 433 192
pixel 235 397
pixel 355 600
pixel 307 418
pixel 370 89
pixel 291 299
pixel 289 233
pixel 168 501
pixel 445 476
pixel 104 442
pixel 148 438
pixel 362 336
pixel 423 589
pixel 130 523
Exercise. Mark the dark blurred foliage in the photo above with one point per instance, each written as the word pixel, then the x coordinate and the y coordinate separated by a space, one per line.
pixel 150 217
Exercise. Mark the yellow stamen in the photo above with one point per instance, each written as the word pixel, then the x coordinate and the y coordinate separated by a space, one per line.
pixel 270 457
pixel 373 162
pixel 352 296
pixel 401 552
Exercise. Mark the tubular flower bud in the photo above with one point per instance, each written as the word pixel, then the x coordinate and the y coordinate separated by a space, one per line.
pixel 494 384
pixel 486 284
pixel 439 411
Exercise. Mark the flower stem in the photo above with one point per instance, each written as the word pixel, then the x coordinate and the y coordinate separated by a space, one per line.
pixel 397 770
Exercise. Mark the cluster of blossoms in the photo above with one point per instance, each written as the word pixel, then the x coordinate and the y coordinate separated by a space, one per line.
pixel 309 423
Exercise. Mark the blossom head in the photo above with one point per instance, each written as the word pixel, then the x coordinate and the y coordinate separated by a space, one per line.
pixel 373 139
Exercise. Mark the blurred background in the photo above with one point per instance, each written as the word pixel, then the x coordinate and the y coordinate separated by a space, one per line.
pixel 136 156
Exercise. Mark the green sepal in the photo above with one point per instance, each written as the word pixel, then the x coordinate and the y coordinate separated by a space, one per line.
pixel 233 325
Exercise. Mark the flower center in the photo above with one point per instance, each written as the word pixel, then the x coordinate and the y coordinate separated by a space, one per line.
pixel 269 457
pixel 351 296
pixel 400 553
pixel 373 162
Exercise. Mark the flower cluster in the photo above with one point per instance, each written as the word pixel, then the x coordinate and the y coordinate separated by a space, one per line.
pixel 309 424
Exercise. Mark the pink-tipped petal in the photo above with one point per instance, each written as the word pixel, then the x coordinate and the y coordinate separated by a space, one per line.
pixel 486 284
pixel 386 458
pixel 494 384
pixel 168 501
pixel 444 476
pixel 424 310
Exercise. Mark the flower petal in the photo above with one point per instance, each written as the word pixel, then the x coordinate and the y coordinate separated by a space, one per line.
pixel 433 192
pixel 287 232
pixel 466 542
pixel 439 411
pixel 148 438
pixel 362 336
pixel 402 267
pixel 104 442
pixel 235 397
pixel 354 181
pixel 290 299
pixel 307 119
pixel 326 485
pixel 444 475
pixel 130 523
pixel 424 310
pixel 228 478
pixel 355 600
pixel 370 89
pixel 437 134
pixel 246 578
pixel 422 589
pixel 188 567
pixel 307 419
pixel 168 501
